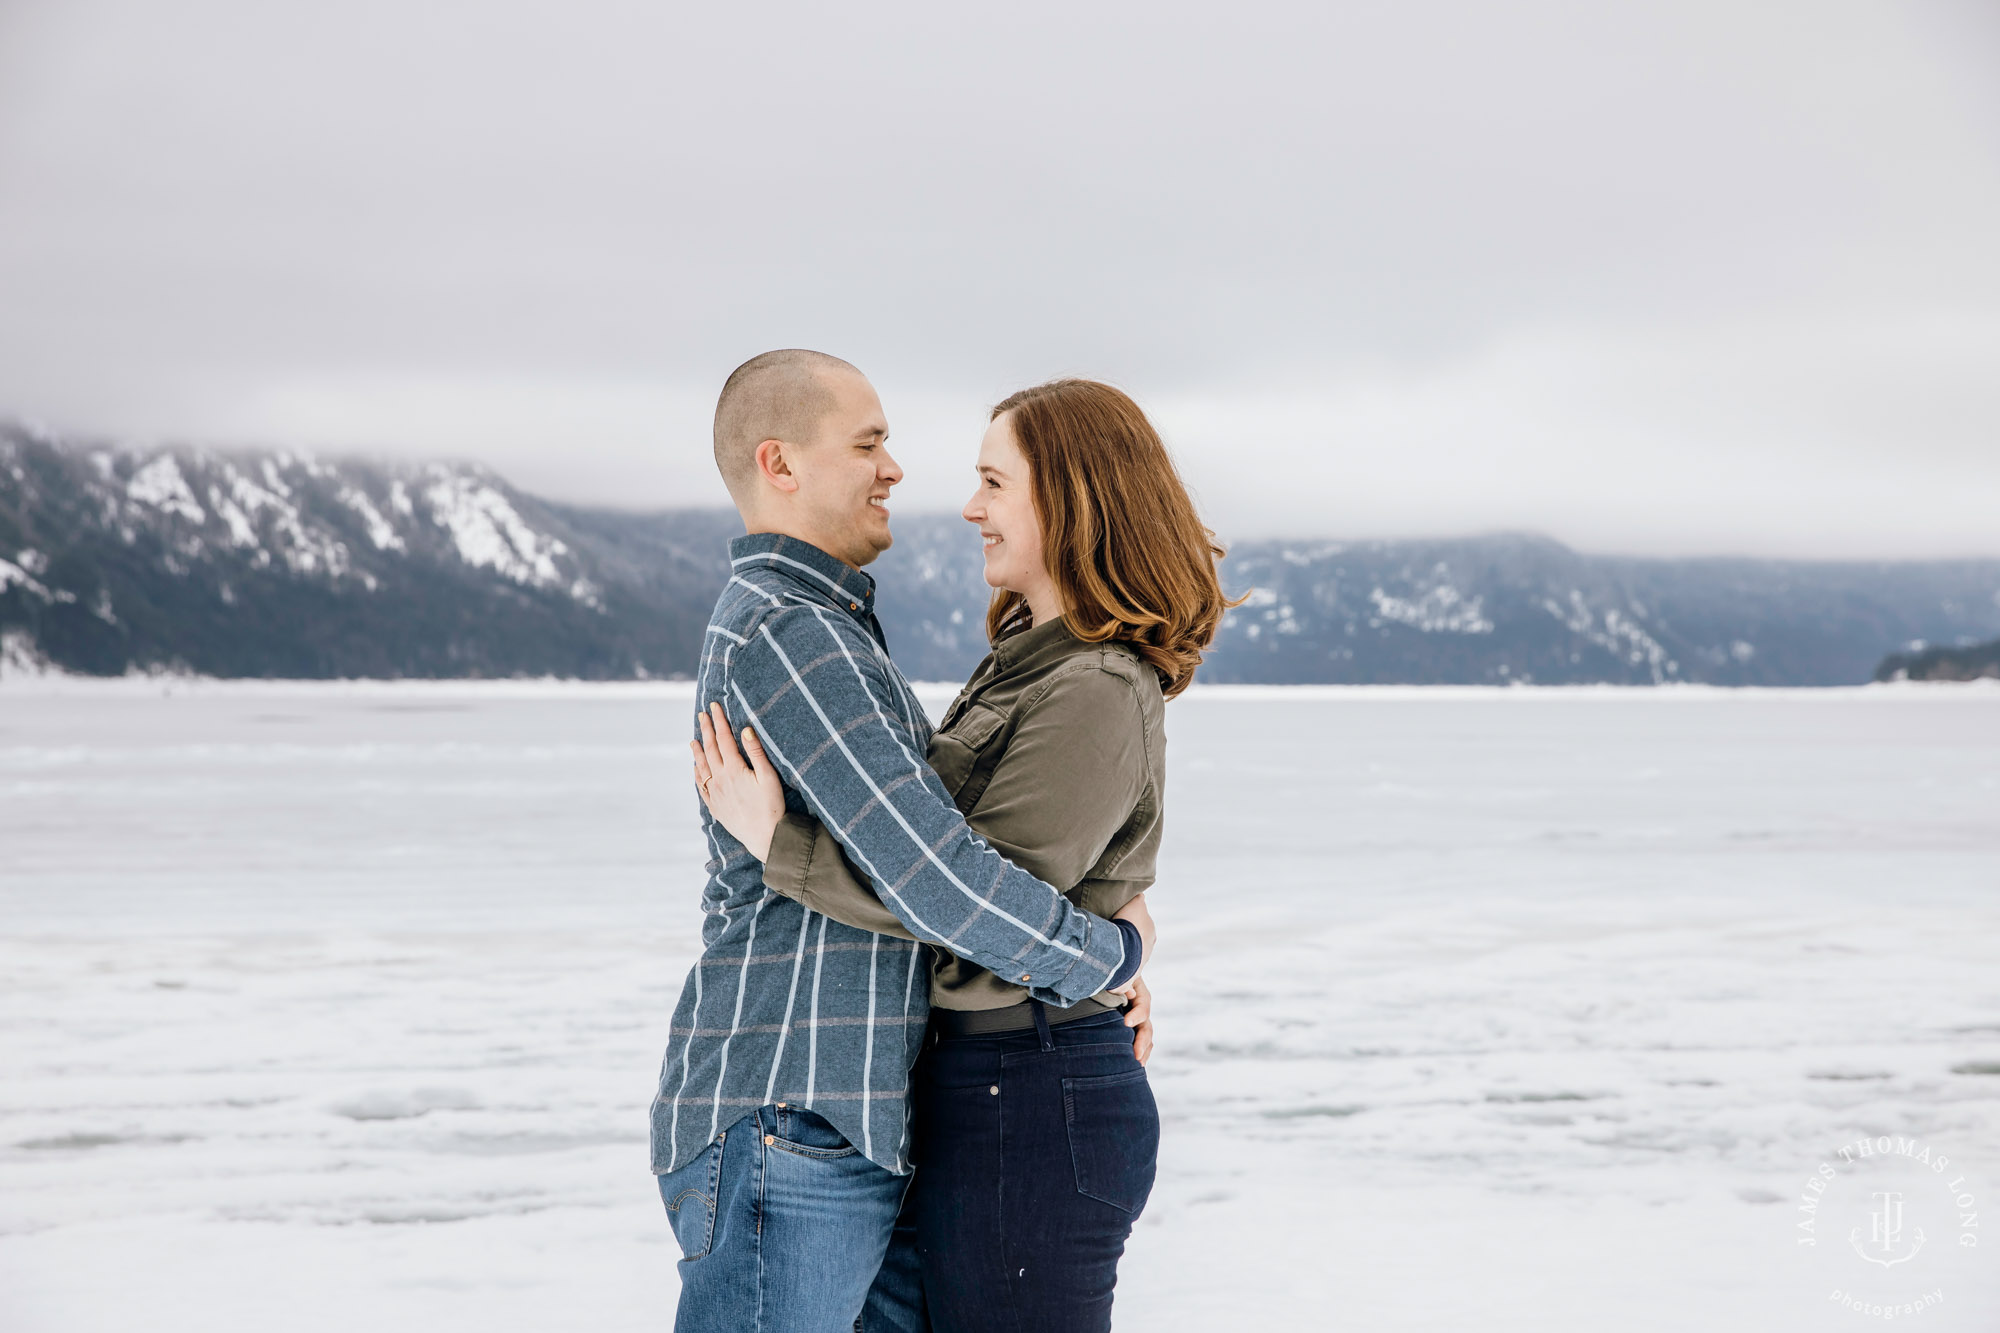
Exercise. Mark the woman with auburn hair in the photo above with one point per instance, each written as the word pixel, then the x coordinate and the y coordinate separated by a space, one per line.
pixel 1036 1131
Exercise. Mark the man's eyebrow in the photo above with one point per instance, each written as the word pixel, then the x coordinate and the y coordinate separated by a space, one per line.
pixel 871 432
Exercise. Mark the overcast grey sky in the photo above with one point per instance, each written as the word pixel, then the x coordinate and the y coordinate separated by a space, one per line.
pixel 1684 277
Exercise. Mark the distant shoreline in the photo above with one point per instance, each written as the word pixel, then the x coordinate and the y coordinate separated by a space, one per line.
pixel 55 683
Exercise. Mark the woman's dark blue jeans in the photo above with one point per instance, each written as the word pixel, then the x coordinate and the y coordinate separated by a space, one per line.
pixel 1035 1153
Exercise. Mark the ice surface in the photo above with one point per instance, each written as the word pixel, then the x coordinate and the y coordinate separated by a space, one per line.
pixel 339 1006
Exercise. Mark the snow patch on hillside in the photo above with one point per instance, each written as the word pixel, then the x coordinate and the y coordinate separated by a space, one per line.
pixel 1277 614
pixel 272 479
pixel 1619 635
pixel 305 550
pixel 14 575
pixel 1442 609
pixel 21 656
pixel 380 530
pixel 161 485
pixel 489 534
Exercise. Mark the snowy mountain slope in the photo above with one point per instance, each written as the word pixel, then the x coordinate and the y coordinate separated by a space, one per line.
pixel 280 564
pixel 1522 608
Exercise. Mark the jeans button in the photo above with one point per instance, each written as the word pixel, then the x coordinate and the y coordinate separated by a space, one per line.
pixel 994 1090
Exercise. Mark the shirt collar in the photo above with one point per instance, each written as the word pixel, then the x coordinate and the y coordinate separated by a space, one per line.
pixel 1019 646
pixel 807 564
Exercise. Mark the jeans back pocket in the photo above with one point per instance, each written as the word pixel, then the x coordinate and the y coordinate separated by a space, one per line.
pixel 690 1194
pixel 1114 1137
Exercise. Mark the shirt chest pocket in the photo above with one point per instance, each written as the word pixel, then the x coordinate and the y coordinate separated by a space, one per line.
pixel 963 754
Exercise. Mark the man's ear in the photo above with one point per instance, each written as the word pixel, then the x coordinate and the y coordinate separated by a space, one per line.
pixel 774 468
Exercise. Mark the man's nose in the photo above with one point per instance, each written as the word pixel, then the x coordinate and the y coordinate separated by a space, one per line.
pixel 888 469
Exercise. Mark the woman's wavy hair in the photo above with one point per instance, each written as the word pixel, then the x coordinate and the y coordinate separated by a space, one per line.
pixel 1130 558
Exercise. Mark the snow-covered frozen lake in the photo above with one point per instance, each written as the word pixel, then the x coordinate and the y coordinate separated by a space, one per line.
pixel 338 1007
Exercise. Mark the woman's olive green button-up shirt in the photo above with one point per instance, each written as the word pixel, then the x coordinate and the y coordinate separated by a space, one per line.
pixel 1055 752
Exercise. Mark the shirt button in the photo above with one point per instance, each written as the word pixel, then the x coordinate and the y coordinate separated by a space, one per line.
pixel 1024 976
pixel 781 1106
pixel 993 1091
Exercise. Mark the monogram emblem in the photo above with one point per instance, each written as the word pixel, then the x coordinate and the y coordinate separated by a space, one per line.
pixel 1885 1232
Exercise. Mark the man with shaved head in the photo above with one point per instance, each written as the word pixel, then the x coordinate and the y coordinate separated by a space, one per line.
pixel 778 395
pixel 781 1126
pixel 801 443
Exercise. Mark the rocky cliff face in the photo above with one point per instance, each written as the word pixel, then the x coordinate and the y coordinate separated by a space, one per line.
pixel 281 564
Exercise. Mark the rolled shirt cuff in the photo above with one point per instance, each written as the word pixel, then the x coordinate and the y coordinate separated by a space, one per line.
pixel 1104 953
pixel 1135 953
pixel 790 857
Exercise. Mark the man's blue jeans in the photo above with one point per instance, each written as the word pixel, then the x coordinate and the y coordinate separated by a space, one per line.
pixel 783 1224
